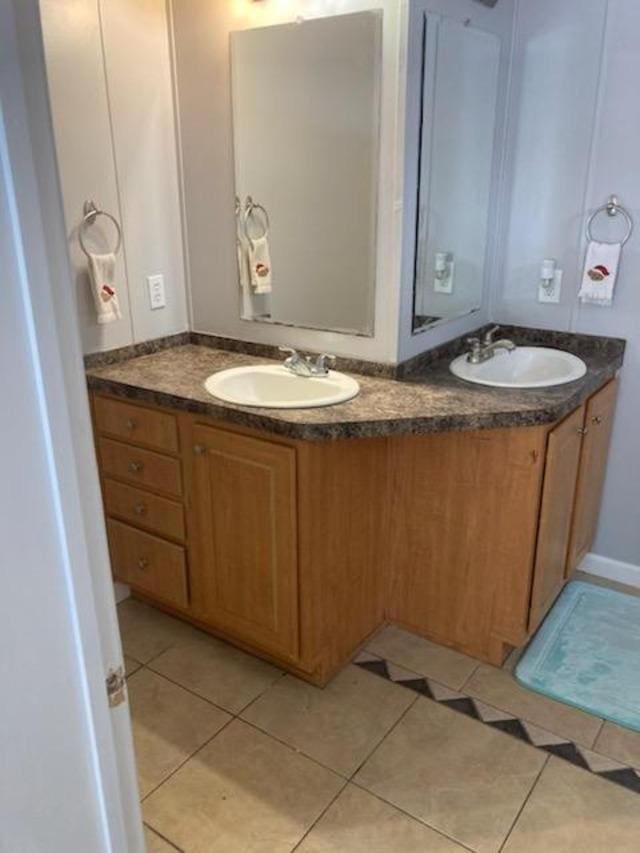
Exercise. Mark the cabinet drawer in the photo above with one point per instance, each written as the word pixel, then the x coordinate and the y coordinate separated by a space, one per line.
pixel 147 563
pixel 149 427
pixel 142 467
pixel 160 515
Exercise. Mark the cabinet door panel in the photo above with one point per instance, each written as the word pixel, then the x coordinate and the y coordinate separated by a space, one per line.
pixel 244 544
pixel 593 465
pixel 558 493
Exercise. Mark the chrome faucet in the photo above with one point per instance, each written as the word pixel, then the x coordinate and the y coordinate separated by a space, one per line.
pixel 304 365
pixel 483 350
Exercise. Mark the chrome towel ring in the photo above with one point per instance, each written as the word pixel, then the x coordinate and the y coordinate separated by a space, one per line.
pixel 250 210
pixel 90 213
pixel 611 208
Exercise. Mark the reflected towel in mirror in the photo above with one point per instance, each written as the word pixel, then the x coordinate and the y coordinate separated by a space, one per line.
pixel 260 265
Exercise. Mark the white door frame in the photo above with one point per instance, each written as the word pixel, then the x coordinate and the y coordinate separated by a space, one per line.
pixel 29 171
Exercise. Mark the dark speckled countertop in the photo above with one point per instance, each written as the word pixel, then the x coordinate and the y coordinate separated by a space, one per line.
pixel 428 398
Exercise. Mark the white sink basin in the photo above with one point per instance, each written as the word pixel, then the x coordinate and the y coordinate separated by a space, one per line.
pixel 276 387
pixel 525 367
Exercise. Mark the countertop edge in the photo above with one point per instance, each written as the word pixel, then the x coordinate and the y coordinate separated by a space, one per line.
pixel 382 428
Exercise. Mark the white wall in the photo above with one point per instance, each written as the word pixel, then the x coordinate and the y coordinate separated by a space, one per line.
pixel 575 139
pixel 68 778
pixel 499 21
pixel 46 752
pixel 201 32
pixel 109 68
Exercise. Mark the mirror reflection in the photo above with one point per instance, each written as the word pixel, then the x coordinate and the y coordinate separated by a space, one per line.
pixel 306 104
pixel 460 84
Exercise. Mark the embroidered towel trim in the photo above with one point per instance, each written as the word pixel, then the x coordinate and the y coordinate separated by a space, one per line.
pixel 260 265
pixel 600 273
pixel 102 270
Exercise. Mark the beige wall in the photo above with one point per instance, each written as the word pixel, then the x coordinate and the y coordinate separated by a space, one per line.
pixel 110 80
pixel 201 32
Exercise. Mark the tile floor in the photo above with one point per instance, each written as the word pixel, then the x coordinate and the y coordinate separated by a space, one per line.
pixel 234 756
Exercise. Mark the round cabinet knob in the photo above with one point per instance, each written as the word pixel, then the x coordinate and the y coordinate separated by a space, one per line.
pixel 135 467
pixel 200 449
pixel 130 424
pixel 143 563
pixel 140 509
pixel 596 419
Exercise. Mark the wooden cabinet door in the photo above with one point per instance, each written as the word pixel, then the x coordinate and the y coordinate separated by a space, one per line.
pixel 556 511
pixel 243 542
pixel 593 464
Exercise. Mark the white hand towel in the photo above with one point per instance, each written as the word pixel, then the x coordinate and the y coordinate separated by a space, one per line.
pixel 102 269
pixel 243 264
pixel 600 273
pixel 260 265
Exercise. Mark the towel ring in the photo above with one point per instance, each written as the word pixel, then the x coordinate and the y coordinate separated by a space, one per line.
pixel 90 214
pixel 611 208
pixel 250 209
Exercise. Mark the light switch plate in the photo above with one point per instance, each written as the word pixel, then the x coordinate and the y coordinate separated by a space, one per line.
pixel 157 296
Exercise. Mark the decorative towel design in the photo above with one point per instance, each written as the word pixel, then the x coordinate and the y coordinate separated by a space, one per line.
pixel 600 273
pixel 102 270
pixel 260 264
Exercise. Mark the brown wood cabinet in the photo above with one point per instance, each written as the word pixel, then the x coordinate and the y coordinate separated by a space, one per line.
pixel 270 543
pixel 598 424
pixel 244 561
pixel 485 526
pixel 299 550
pixel 558 493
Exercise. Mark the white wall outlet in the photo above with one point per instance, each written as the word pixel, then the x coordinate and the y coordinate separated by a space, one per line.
pixel 157 296
pixel 550 292
pixel 443 275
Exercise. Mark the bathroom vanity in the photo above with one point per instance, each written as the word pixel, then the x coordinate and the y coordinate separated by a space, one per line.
pixel 456 511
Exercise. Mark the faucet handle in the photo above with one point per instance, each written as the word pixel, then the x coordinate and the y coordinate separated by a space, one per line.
pixel 322 360
pixel 287 350
pixel 489 335
pixel 475 343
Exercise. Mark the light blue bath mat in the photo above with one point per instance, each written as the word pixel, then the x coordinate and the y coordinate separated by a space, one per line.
pixel 587 653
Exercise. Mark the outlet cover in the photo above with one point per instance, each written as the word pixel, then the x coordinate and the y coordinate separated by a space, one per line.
pixel 551 294
pixel 157 296
pixel 445 285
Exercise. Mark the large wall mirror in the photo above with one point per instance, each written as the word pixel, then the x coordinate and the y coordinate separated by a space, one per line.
pixel 459 94
pixel 306 121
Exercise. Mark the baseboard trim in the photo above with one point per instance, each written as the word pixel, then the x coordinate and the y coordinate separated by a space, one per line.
pixel 613 570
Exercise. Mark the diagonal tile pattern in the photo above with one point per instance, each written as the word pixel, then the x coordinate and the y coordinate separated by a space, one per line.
pixel 216 671
pixel 339 725
pixel 236 757
pixel 243 791
pixel 507 722
pixel 358 822
pixel 453 773
pixel 571 811
pixel 169 725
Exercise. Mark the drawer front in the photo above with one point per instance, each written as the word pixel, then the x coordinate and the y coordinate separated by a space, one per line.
pixel 160 515
pixel 150 427
pixel 141 467
pixel 149 564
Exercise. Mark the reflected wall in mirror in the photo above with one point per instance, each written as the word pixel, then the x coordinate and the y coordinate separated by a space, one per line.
pixel 306 120
pixel 460 85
